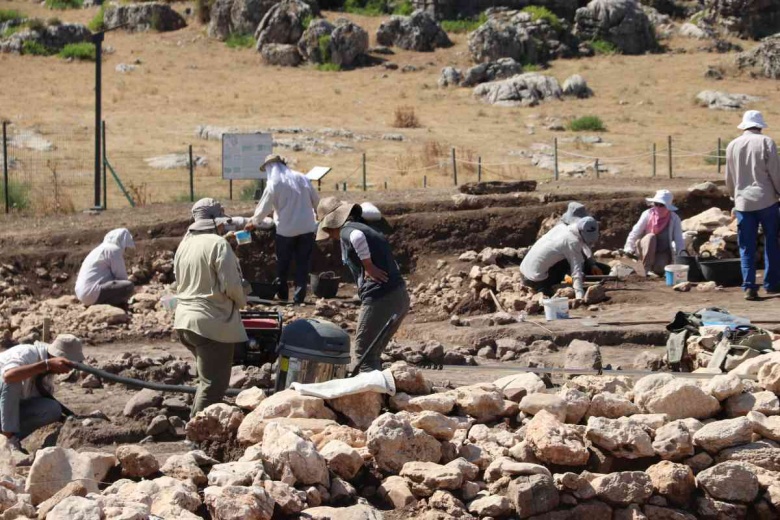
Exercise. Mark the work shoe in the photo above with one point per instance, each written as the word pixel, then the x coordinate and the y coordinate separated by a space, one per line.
pixel 751 295
pixel 773 290
pixel 16 445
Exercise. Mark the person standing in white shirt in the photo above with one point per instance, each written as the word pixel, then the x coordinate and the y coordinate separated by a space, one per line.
pixel 103 277
pixel 292 199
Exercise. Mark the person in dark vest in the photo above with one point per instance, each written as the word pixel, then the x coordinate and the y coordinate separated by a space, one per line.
pixel 381 289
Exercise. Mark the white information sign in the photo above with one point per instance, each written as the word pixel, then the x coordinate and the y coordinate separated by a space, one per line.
pixel 317 173
pixel 243 154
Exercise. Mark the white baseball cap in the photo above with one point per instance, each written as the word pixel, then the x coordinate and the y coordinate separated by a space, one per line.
pixel 752 119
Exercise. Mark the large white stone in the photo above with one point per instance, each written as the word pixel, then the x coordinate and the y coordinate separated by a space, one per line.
pixel 287 404
pixel 393 442
pixel 554 442
pixel 621 437
pixel 239 503
pixel 76 508
pixel 292 459
pixel 678 398
pixel 719 435
pixel 54 467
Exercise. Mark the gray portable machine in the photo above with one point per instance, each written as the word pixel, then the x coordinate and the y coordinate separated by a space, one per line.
pixel 311 351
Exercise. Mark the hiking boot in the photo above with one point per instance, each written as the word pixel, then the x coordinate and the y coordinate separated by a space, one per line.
pixel 751 295
pixel 16 445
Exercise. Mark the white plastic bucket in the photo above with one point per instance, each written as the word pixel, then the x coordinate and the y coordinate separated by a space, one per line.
pixel 676 273
pixel 556 308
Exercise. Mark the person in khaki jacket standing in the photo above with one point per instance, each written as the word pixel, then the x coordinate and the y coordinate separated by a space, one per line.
pixel 753 181
pixel 209 297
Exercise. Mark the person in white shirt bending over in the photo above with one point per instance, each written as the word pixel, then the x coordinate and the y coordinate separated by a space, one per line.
pixel 103 276
pixel 293 201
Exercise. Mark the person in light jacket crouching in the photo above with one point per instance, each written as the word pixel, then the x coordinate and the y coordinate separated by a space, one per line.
pixel 657 237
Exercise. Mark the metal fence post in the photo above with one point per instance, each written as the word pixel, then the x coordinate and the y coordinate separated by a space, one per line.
pixel 597 167
pixel 555 157
pixel 364 172
pixel 654 159
pixel 454 168
pixel 192 177
pixel 5 168
pixel 719 144
pixel 479 169
pixel 425 181
pixel 671 174
pixel 105 181
pixel 344 186
pixel 385 184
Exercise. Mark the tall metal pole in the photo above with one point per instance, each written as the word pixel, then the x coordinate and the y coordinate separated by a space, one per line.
pixel 105 181
pixel 655 157
pixel 192 177
pixel 364 172
pixel 719 145
pixel 670 157
pixel 454 168
pixel 555 157
pixel 479 169
pixel 597 167
pixel 97 39
pixel 5 167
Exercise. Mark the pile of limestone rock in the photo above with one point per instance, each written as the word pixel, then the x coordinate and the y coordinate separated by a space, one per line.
pixel 598 447
pixel 712 233
pixel 493 276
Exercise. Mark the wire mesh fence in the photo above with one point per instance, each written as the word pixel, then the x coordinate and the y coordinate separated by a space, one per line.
pixel 53 171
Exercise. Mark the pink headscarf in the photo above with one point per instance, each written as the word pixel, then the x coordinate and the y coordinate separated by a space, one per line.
pixel 659 219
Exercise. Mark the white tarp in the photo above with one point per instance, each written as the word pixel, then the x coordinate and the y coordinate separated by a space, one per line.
pixel 379 381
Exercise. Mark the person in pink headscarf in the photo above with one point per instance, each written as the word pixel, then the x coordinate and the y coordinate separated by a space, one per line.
pixel 657 238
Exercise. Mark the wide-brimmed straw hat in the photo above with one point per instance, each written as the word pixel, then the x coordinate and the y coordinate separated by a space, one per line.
pixel 332 214
pixel 273 158
pixel 664 197
pixel 752 119
pixel 67 346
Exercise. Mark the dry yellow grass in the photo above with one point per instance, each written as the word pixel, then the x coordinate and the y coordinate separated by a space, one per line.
pixel 186 79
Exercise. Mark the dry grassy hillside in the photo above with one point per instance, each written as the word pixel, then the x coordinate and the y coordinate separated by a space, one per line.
pixel 185 79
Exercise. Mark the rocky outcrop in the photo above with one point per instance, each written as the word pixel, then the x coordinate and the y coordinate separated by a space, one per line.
pixel 491 71
pixel 753 19
pixel 283 23
pixel 309 44
pixel 156 16
pixel 418 32
pixel 220 23
pixel 716 100
pixel 281 54
pixel 576 86
pixel 763 59
pixel 622 23
pixel 348 43
pixel 527 89
pixel 52 37
pixel 517 35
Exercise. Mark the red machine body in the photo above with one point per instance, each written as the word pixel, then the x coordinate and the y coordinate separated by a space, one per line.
pixel 264 329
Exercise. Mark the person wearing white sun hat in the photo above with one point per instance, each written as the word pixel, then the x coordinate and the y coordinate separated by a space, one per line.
pixel 657 238
pixel 753 181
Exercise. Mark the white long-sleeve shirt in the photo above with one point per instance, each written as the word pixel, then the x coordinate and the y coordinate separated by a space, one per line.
pixel 20 356
pixel 752 171
pixel 674 229
pixel 103 264
pixel 560 243
pixel 293 207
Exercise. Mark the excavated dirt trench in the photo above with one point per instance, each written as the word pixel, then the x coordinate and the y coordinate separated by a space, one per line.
pixel 420 232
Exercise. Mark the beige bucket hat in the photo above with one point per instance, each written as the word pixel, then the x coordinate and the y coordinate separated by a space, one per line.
pixel 273 158
pixel 332 214
pixel 67 346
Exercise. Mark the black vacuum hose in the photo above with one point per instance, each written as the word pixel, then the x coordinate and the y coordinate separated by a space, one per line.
pixel 137 383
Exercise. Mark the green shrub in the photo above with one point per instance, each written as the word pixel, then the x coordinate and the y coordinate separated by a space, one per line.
pixel 604 47
pixel 587 124
pixel 53 21
pixel 240 41
pixel 18 195
pixel 64 4
pixel 405 8
pixel 36 24
pixel 10 14
pixel 247 193
pixel 79 51
pixel 329 67
pixel 323 43
pixel 542 13
pixel 465 25
pixel 307 21
pixel 11 31
pixel 35 49
pixel 98 23
pixel 532 67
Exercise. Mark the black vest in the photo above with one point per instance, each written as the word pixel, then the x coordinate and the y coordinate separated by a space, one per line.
pixel 381 256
